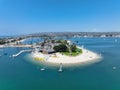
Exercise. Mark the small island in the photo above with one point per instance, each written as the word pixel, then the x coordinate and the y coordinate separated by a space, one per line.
pixel 63 52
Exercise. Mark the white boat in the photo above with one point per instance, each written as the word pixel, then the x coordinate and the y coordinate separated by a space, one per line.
pixel 42 69
pixel 60 69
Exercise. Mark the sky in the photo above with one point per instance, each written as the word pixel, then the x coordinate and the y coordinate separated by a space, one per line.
pixel 34 16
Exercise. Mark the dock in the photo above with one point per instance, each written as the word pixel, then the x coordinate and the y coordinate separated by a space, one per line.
pixel 15 55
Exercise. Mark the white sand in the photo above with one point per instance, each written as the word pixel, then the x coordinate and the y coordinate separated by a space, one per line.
pixel 86 56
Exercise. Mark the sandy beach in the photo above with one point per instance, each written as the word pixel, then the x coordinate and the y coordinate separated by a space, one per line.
pixel 85 57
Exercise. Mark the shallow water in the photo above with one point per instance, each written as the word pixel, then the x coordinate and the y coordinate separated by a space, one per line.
pixel 19 74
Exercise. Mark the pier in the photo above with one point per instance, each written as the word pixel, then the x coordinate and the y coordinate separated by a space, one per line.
pixel 15 55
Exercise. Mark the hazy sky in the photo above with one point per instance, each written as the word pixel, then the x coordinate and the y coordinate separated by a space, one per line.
pixel 32 16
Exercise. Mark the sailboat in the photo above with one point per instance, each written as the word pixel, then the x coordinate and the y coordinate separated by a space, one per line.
pixel 60 68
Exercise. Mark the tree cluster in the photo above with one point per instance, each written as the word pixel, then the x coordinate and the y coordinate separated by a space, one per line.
pixel 60 48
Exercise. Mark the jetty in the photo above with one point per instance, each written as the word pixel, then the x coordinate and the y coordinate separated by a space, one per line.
pixel 15 55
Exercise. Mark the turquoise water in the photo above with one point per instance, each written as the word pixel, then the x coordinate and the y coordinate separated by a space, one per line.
pixel 19 74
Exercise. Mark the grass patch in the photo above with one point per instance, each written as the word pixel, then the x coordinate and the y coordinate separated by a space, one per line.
pixel 75 53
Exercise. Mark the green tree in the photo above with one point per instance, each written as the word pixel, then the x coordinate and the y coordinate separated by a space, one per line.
pixel 60 48
pixel 73 48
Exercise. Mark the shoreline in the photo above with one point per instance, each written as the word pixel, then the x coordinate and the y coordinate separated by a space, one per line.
pixel 86 57
pixel 21 46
